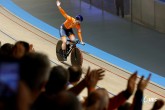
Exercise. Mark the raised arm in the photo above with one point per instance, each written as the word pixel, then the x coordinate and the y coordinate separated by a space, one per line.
pixel 90 81
pixel 61 10
pixel 121 98
pixel 137 101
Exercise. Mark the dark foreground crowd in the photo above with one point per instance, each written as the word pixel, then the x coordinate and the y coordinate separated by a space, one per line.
pixel 29 82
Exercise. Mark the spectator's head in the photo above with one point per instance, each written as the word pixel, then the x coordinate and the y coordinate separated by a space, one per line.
pixel 58 80
pixel 75 73
pixel 6 50
pixel 97 100
pixel 20 49
pixel 34 71
pixel 66 101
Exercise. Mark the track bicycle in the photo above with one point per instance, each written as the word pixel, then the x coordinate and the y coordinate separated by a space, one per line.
pixel 75 53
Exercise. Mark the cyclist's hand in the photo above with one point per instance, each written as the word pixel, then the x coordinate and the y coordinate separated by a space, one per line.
pixel 82 43
pixel 58 3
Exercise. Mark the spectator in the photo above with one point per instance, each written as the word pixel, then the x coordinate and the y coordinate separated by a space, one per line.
pixel 117 100
pixel 137 101
pixel 58 80
pixel 119 7
pixel 62 101
pixel 97 100
pixel 6 50
pixel 121 98
pixel 90 81
pixel 21 48
pixel 34 73
pixel 66 101
pixel 75 73
pixel 57 83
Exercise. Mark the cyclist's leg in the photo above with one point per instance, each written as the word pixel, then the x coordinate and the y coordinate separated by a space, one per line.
pixel 71 35
pixel 63 34
pixel 64 40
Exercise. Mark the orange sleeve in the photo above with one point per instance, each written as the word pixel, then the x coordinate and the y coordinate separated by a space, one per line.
pixel 79 32
pixel 63 13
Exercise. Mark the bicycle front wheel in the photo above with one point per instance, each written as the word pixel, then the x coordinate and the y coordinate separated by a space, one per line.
pixel 59 51
pixel 76 57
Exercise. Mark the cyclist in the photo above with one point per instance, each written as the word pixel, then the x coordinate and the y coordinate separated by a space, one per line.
pixel 66 28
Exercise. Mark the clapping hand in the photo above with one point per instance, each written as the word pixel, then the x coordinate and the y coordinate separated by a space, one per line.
pixel 131 83
pixel 143 83
pixel 93 76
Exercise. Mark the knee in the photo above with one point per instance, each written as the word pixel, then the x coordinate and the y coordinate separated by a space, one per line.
pixel 72 37
pixel 63 40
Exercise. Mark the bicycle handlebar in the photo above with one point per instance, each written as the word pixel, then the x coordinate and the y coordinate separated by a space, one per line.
pixel 75 42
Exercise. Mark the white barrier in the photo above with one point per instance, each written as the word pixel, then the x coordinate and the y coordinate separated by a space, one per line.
pixel 151 13
pixel 160 16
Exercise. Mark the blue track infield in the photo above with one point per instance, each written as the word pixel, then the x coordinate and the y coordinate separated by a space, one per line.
pixel 87 48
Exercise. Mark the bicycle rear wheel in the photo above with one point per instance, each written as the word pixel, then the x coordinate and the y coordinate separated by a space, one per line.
pixel 59 51
pixel 76 57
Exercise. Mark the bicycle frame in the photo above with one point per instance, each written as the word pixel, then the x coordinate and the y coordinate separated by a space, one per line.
pixel 73 45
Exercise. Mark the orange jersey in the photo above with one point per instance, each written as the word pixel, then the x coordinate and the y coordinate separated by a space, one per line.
pixel 71 23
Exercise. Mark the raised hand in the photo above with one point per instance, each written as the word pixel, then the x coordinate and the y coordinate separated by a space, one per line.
pixel 92 77
pixel 131 83
pixel 31 49
pixel 58 3
pixel 143 83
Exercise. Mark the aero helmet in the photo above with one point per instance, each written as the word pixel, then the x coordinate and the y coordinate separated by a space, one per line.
pixel 79 17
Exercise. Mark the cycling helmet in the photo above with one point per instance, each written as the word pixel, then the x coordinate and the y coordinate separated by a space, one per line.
pixel 79 17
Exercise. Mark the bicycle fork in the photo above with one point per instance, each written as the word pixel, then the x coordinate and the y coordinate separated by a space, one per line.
pixel 68 52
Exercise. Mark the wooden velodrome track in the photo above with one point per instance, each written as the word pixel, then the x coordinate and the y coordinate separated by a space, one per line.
pixel 12 29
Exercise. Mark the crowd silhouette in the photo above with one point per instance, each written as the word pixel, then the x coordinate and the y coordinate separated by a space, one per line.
pixel 38 86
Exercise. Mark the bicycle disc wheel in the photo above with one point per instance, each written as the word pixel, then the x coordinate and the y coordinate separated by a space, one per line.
pixel 76 57
pixel 59 51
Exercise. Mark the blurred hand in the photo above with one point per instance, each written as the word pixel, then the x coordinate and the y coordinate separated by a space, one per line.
pixel 131 83
pixel 82 43
pixel 31 48
pixel 58 3
pixel 158 104
pixel 143 83
pixel 92 77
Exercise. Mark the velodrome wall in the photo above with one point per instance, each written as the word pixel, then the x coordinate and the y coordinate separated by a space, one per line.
pixel 151 13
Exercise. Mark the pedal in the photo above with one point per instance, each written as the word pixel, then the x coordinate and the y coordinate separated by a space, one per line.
pixel 65 58
pixel 68 47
